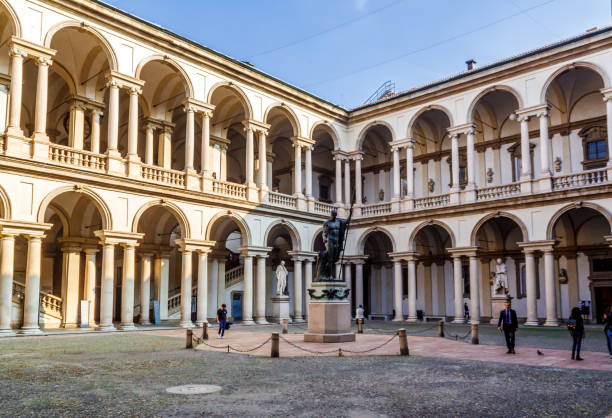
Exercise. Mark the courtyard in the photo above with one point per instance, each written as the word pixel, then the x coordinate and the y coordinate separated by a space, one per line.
pixel 128 373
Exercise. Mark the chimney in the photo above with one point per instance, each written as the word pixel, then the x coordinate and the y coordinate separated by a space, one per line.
pixel 471 64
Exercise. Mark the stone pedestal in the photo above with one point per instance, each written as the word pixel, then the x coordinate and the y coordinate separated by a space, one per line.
pixel 329 313
pixel 280 309
pixel 497 305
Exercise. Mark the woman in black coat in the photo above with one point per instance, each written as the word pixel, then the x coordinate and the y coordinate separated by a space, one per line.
pixel 576 329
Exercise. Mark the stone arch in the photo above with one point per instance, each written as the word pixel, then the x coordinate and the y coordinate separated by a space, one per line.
pixel 449 231
pixel 105 213
pixel 314 238
pixel 242 225
pixel 490 216
pixel 293 233
pixel 364 236
pixel 553 220
pixel 172 208
pixel 443 109
pixel 364 130
pixel 13 18
pixel 331 130
pixel 293 119
pixel 106 46
pixel 241 94
pixel 595 68
pixel 63 217
pixel 5 205
pixel 480 95
pixel 189 91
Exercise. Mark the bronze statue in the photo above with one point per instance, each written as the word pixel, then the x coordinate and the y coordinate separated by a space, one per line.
pixel 334 238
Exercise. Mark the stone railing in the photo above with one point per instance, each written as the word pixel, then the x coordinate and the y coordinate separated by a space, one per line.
pixel 229 189
pixel 376 209
pixel 432 201
pixel 18 291
pixel 234 276
pixel 51 305
pixel 582 179
pixel 498 192
pixel 163 175
pixel 84 159
pixel 281 199
pixel 322 207
pixel 174 301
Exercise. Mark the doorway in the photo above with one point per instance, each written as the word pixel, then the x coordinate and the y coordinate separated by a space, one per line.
pixel 603 298
pixel 237 306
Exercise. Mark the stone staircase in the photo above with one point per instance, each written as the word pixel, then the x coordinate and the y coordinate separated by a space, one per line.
pixel 50 305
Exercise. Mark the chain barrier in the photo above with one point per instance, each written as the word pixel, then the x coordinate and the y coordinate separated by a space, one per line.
pixel 229 347
pixel 307 349
pixel 371 349
pixel 386 331
pixel 456 337
pixel 340 350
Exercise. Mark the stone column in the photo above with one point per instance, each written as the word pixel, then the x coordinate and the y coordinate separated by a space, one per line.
pixel 347 182
pixel 358 190
pixel 7 257
pixel 162 277
pixel 297 171
pixel 206 144
pixel 262 175
pixel 145 288
pixel 607 97
pixel 90 284
pixel 455 162
pixel 31 301
pixel 308 273
pixel 260 308
pixel 525 151
pixel 396 173
pixel 412 287
pixel 149 144
pixel 212 286
pixel 269 162
pixel 113 117
pixel 544 148
pixel 77 125
pixel 186 278
pixel 94 142
pixel 164 149
pixel 221 282
pixel 530 279
pixel 308 175
pixel 410 169
pixel 133 125
pixel 202 296
pixel 359 283
pixel 14 125
pixel 247 307
pixel 223 163
pixel 298 315
pixel 250 155
pixel 71 254
pixel 471 172
pixel 458 279
pixel 42 92
pixel 349 283
pixel 189 139
pixel 551 296
pixel 127 286
pixel 398 290
pixel 338 181
pixel 474 290
pixel 107 287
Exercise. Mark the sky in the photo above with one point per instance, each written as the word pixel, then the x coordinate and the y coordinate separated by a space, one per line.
pixel 343 50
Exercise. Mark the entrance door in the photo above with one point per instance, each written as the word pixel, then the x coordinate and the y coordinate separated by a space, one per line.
pixel 603 299
pixel 237 306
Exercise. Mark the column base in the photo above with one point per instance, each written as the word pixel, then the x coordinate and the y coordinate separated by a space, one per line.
pixel 261 321
pixel 106 328
pixel 145 323
pixel 298 318
pixel 474 321
pixel 551 323
pixel 127 327
pixel 200 323
pixel 30 331
pixel 412 319
pixel 532 323
pixel 185 324
pixel 398 319
pixel 7 333
pixel 458 321
pixel 248 322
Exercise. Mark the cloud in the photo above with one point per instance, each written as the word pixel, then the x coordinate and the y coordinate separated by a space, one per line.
pixel 360 4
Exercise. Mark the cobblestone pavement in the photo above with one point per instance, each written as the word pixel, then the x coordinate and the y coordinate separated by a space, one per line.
pixel 128 373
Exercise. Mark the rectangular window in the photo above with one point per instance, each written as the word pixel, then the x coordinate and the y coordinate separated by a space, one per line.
pixel 602 265
pixel 596 150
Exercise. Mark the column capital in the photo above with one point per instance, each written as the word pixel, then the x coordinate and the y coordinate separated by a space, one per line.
pixel 18 46
pixel 527 112
pixel 124 81
pixel 403 256
pixel 23 228
pixel 255 126
pixel 186 244
pixel 463 129
pixel 108 237
pixel 254 251
pixel 340 155
pixel 301 141
pixel 356 259
pixel 607 94
pixel 199 106
pixel 302 255
pixel 90 250
pixel 402 143
pixel 544 245
pixel 463 251
pixel 356 155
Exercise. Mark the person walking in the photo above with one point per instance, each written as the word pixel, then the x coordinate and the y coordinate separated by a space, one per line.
pixel 359 314
pixel 575 326
pixel 466 311
pixel 222 320
pixel 507 317
pixel 607 313
pixel 608 331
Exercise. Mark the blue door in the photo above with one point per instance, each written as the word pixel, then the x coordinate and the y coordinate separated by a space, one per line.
pixel 237 306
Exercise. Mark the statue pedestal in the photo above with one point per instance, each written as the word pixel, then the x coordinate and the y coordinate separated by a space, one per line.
pixel 497 305
pixel 280 308
pixel 329 313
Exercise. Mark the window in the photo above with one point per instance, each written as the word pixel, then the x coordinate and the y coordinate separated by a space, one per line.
pixel 596 150
pixel 595 145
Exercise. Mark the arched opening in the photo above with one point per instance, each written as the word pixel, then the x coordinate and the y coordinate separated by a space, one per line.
pixel 323 176
pixel 490 114
pixel 165 92
pixel 583 261
pixel 281 160
pixel 575 101
pixel 377 165
pixel 434 272
pixel 282 241
pixel 497 239
pixel 432 175
pixel 228 137
pixel 378 276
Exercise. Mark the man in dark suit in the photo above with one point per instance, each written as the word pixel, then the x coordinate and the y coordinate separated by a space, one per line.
pixel 507 317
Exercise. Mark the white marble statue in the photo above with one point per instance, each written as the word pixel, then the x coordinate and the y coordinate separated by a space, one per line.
pixel 281 279
pixel 501 277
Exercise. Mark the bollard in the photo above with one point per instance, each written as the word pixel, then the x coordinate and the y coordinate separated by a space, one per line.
pixel 274 351
pixel 284 322
pixel 359 326
pixel 441 329
pixel 474 333
pixel 189 342
pixel 205 331
pixel 403 342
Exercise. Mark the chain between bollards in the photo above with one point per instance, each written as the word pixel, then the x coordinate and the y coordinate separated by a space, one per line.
pixel 403 342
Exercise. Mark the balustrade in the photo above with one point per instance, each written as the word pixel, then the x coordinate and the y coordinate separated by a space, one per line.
pixel 229 189
pixel 582 179
pixel 163 175
pixel 322 207
pixel 234 276
pixel 376 209
pixel 84 159
pixel 498 192
pixel 432 201
pixel 280 199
